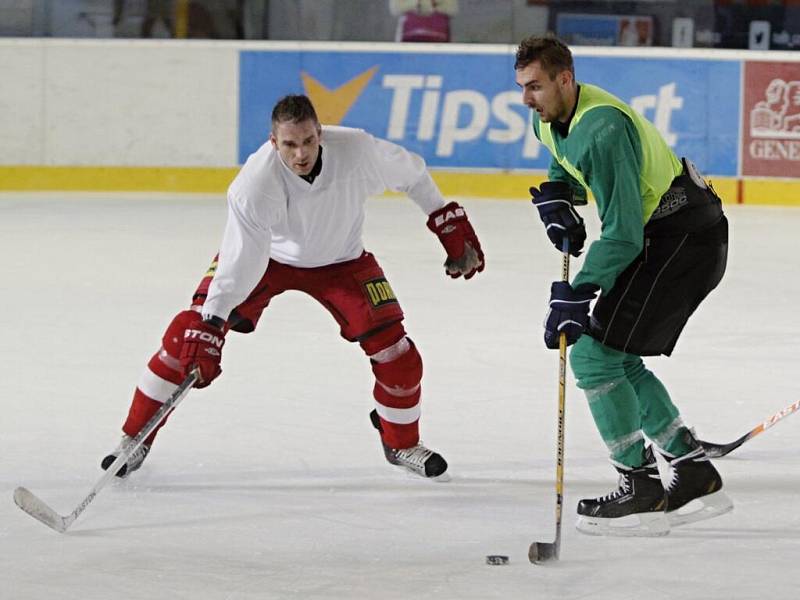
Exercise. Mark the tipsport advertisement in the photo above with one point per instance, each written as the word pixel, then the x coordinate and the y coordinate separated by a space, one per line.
pixel 465 111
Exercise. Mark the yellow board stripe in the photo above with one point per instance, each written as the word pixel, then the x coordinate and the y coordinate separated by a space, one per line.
pixel 785 192
pixel 507 184
pixel 117 179
pixel 211 180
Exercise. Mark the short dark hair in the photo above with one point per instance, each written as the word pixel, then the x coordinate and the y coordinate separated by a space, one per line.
pixel 293 109
pixel 552 54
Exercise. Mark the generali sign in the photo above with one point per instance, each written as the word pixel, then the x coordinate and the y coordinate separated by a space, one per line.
pixel 771 119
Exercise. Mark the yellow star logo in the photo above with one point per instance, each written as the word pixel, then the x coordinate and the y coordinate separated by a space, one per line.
pixel 332 105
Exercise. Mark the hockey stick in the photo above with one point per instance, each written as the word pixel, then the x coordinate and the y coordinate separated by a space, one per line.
pixel 540 552
pixel 37 508
pixel 718 450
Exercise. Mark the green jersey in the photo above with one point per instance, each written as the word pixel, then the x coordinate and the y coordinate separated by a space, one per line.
pixel 619 155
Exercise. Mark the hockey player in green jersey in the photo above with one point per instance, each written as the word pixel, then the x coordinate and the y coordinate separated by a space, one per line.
pixel 662 249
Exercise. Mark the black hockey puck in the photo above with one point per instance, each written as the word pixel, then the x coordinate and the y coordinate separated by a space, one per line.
pixel 496 559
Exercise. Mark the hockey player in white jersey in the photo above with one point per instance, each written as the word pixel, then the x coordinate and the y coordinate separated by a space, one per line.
pixel 295 218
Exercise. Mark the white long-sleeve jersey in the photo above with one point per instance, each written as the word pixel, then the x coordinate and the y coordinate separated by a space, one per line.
pixel 274 213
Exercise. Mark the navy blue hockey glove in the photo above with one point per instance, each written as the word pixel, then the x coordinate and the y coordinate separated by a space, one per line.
pixel 569 312
pixel 554 201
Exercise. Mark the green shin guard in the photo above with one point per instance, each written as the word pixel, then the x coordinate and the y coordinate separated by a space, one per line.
pixel 625 400
pixel 661 421
pixel 614 407
pixel 612 399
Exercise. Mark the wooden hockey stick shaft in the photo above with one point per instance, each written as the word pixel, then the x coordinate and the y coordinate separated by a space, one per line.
pixel 543 551
pixel 562 393
pixel 39 510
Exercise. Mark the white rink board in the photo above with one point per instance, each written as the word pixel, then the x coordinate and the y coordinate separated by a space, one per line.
pixel 169 103
pixel 118 103
pixel 22 105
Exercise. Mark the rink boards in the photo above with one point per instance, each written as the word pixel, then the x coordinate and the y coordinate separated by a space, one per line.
pixel 182 115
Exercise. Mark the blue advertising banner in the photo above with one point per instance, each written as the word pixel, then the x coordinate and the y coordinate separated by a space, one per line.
pixel 693 103
pixel 455 110
pixel 465 111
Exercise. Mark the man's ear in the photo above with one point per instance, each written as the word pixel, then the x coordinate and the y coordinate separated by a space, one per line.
pixel 273 139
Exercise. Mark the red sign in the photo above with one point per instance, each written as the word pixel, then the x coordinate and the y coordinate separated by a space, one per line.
pixel 771 119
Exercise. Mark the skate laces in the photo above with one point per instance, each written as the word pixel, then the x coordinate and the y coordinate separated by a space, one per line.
pixel 624 488
pixel 673 480
pixel 137 456
pixel 416 455
pixel 696 455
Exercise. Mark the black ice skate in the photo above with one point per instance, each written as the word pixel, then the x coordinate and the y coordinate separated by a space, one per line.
pixel 694 492
pixel 134 461
pixel 635 508
pixel 417 459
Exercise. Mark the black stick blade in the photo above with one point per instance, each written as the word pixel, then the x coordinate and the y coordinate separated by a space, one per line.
pixel 719 450
pixel 541 552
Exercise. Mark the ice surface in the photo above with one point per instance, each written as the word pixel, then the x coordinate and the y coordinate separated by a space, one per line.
pixel 272 484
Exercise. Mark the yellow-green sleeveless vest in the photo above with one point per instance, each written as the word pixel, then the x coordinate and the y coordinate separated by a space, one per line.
pixel 659 164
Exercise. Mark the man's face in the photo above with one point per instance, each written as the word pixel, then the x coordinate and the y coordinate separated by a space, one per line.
pixel 551 98
pixel 298 144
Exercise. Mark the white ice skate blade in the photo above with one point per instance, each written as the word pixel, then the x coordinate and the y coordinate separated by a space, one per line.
pixel 414 475
pixel 652 524
pixel 700 509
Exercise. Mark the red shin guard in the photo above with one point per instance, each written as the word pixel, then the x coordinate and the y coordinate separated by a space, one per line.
pixel 163 369
pixel 141 411
pixel 397 392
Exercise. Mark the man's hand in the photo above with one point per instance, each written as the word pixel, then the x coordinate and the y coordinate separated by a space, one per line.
pixel 202 349
pixel 464 254
pixel 569 312
pixel 554 202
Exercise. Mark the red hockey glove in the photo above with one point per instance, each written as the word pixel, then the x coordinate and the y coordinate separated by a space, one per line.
pixel 202 349
pixel 464 254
